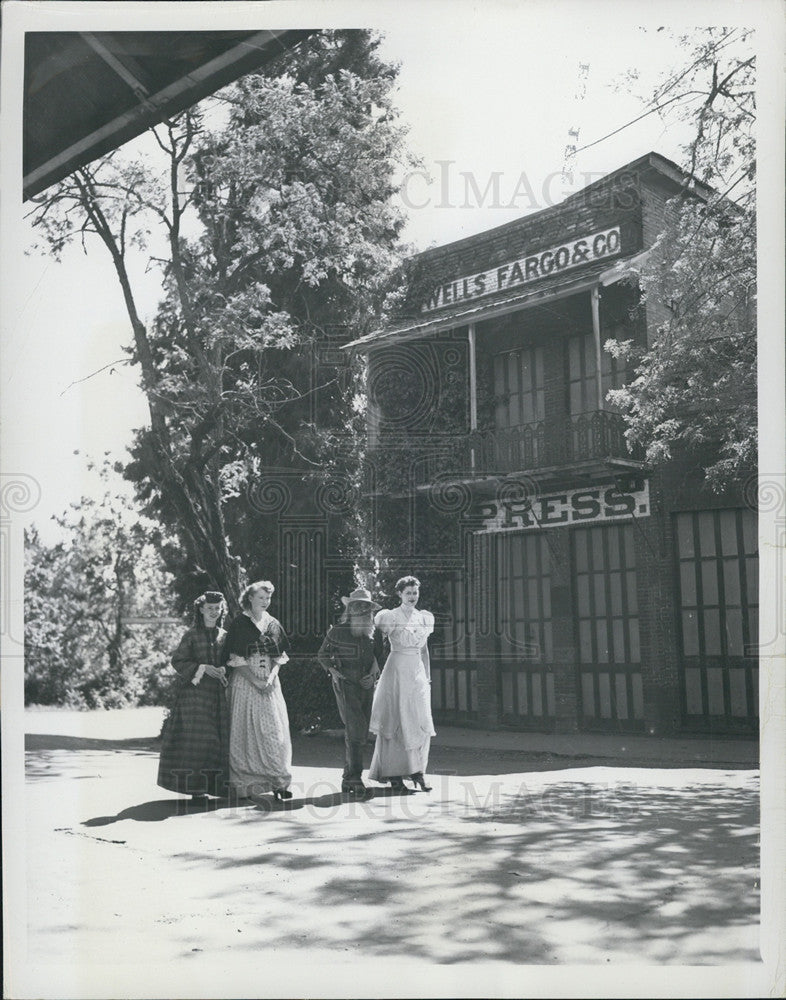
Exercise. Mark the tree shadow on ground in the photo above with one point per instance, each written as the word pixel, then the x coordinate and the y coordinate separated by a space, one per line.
pixel 320 750
pixel 323 749
pixel 652 874
pixel 327 750
pixel 569 871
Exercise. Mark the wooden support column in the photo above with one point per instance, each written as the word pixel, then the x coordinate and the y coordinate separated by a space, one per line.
pixel 372 409
pixel 473 389
pixel 595 298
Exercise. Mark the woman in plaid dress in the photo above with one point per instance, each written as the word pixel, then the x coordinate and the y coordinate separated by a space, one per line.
pixel 195 742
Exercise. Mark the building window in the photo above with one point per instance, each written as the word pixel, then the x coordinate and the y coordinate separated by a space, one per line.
pixel 717 556
pixel 455 635
pixel 526 678
pixel 518 387
pixel 582 371
pixel 517 441
pixel 302 595
pixel 454 677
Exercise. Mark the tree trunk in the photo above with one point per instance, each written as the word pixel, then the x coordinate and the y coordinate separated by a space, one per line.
pixel 199 511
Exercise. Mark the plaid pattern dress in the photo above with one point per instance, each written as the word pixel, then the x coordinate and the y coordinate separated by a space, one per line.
pixel 195 742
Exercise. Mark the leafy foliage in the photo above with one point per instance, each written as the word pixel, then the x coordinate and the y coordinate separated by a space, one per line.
pixel 695 385
pixel 711 90
pixel 311 704
pixel 278 231
pixel 94 604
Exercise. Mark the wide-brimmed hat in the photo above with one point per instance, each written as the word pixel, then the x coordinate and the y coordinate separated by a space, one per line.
pixel 360 596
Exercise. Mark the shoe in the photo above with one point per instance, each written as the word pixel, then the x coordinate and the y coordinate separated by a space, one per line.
pixel 279 794
pixel 397 785
pixel 420 781
pixel 354 787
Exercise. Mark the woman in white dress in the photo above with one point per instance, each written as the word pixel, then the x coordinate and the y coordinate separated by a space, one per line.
pixel 401 713
pixel 260 747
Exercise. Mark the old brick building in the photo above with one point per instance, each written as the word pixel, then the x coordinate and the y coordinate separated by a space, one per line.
pixel 575 588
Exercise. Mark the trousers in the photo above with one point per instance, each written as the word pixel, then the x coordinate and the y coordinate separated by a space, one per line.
pixel 354 707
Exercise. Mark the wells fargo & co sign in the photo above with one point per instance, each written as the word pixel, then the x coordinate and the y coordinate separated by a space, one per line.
pixel 519 272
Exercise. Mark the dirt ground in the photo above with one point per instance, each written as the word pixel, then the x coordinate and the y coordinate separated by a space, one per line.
pixel 513 867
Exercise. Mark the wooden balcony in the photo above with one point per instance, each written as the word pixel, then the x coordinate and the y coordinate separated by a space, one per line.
pixel 590 443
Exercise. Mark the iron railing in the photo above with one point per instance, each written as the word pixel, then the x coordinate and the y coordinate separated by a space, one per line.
pixel 593 436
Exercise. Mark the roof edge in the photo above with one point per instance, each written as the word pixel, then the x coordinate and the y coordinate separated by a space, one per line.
pixel 656 161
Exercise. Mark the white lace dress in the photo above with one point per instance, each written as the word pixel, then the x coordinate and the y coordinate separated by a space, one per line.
pixel 401 713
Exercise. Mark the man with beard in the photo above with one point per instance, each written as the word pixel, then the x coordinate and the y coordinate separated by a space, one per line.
pixel 351 654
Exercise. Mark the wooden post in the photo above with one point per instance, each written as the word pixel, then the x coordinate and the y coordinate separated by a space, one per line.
pixel 473 389
pixel 595 297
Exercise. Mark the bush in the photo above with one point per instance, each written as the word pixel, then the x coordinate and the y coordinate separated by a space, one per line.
pixel 309 696
pixel 163 693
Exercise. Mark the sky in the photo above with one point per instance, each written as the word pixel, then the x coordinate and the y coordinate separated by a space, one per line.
pixel 492 95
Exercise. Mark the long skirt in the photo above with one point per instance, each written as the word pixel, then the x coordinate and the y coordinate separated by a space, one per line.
pixel 260 748
pixel 195 741
pixel 401 718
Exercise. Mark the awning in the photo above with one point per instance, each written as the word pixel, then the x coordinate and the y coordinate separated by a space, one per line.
pixel 87 93
pixel 482 310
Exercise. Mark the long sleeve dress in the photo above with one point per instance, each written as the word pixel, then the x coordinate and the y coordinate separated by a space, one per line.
pixel 195 742
pixel 401 713
pixel 260 747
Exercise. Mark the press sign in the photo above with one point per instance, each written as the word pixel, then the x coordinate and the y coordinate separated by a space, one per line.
pixel 584 506
pixel 526 269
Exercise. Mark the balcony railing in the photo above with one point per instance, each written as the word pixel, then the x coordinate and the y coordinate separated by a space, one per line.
pixel 587 437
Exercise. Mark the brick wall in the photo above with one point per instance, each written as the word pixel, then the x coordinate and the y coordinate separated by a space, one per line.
pixel 571 219
pixel 653 221
pixel 619 204
pixel 657 625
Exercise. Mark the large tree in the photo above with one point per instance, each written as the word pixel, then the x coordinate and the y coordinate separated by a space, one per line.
pixel 278 231
pixel 694 388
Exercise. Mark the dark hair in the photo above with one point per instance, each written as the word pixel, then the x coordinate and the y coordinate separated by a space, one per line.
pixel 209 597
pixel 251 589
pixel 406 581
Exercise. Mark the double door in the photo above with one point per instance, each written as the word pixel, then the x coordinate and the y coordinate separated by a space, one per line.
pixel 565 616
pixel 539 621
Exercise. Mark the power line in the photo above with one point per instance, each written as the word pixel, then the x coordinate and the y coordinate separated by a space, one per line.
pixel 671 100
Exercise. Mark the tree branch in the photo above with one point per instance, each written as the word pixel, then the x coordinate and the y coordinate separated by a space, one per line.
pixel 78 381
